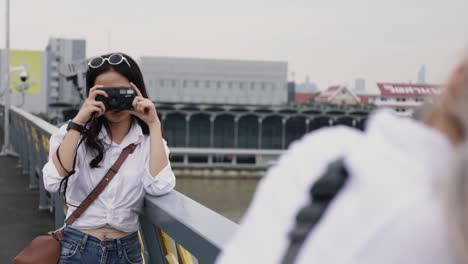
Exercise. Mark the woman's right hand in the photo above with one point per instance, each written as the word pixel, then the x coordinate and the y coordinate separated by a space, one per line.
pixel 91 106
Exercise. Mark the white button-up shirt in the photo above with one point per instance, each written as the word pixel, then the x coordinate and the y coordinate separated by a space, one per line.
pixel 122 200
pixel 389 211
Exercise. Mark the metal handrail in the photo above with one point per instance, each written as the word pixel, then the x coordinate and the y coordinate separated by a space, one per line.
pixel 191 226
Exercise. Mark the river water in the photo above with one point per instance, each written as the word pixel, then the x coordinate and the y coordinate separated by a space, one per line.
pixel 229 197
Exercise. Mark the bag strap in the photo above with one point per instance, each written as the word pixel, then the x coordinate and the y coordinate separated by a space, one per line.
pixel 102 184
pixel 321 194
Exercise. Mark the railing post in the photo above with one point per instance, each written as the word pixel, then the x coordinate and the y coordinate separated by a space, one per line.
pixel 31 151
pixel 33 158
pixel 59 215
pixel 153 247
pixel 15 144
pixel 24 147
pixel 44 201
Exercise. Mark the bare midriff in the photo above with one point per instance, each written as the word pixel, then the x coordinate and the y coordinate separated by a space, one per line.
pixel 105 232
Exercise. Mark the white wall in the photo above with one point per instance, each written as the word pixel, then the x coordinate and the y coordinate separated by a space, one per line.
pixel 215 81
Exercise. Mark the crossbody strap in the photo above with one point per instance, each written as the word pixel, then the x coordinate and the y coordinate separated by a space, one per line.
pixel 322 193
pixel 102 184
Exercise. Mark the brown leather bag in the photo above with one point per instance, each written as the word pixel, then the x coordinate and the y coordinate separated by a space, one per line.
pixel 45 249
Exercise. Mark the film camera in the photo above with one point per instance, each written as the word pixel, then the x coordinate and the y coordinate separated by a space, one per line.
pixel 120 98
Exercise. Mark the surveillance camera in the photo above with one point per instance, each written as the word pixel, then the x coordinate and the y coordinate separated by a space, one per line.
pixel 24 76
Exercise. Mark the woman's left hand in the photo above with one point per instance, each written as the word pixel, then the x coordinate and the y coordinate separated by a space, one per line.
pixel 144 108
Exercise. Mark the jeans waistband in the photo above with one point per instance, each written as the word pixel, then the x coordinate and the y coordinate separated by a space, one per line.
pixel 77 235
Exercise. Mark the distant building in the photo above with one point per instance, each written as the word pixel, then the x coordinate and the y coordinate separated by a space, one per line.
pixel 63 95
pixel 214 81
pixel 359 86
pixel 30 95
pixel 422 75
pixel 307 87
pixel 367 99
pixel 404 97
pixel 304 92
pixel 338 94
pixel 303 98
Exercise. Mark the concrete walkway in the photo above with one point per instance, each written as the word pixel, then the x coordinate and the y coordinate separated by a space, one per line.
pixel 20 219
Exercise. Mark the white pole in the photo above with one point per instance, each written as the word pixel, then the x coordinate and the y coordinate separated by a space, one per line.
pixel 6 150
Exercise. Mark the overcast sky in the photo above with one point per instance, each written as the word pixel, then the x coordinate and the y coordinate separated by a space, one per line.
pixel 330 41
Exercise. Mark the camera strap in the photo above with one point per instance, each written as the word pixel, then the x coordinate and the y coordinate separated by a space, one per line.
pixel 72 171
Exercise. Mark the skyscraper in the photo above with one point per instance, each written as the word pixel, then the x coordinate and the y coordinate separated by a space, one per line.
pixel 422 75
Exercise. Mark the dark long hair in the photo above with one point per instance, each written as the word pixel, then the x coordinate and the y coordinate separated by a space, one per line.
pixel 134 75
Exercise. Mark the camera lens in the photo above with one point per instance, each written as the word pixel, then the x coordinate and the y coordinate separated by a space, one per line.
pixel 113 102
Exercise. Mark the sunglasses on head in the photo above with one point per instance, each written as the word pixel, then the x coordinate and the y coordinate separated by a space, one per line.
pixel 113 59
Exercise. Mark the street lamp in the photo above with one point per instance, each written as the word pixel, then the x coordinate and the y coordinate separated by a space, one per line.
pixel 7 149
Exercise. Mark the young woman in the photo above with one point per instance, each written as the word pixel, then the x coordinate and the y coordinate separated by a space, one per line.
pixel 106 231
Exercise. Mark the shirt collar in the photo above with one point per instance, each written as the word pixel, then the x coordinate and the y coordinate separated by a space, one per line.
pixel 134 136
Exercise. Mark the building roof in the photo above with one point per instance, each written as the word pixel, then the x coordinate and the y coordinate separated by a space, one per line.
pixel 328 93
pixel 408 89
pixel 332 91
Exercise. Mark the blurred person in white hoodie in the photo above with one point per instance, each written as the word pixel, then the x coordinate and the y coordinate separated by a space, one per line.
pixel 391 204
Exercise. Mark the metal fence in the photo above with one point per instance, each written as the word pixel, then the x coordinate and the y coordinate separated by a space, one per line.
pixel 174 228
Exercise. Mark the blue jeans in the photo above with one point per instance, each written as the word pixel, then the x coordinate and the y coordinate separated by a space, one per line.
pixel 78 247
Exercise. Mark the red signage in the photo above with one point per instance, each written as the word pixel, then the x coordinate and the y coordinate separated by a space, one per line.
pixel 408 90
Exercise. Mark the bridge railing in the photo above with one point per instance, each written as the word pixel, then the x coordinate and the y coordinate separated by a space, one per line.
pixel 174 228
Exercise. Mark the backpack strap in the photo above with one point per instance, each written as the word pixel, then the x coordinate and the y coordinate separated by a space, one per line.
pixel 321 194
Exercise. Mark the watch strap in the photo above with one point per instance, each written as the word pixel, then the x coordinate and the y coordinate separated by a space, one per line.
pixel 75 126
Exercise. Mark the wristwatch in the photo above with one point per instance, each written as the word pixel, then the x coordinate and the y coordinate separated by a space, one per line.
pixel 75 126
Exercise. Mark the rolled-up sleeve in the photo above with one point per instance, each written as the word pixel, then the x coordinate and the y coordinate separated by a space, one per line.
pixel 50 173
pixel 163 182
